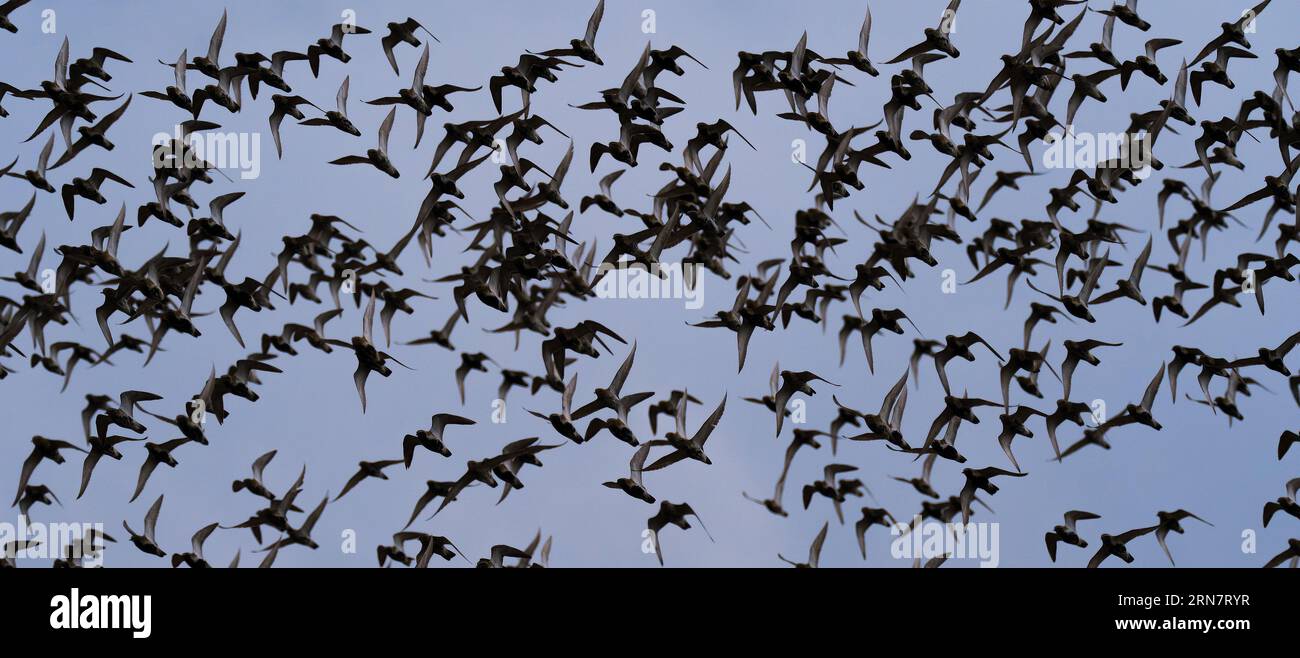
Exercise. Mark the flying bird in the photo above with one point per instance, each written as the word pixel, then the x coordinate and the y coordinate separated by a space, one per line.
pixel 1066 533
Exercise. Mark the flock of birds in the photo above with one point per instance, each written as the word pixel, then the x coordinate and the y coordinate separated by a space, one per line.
pixel 529 262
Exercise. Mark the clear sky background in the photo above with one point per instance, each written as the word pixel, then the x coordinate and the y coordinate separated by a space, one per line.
pixel 311 413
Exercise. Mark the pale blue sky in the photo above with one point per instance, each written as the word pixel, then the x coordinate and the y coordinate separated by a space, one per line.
pixel 311 414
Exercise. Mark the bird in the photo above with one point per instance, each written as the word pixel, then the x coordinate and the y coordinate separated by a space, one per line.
pixel 94 135
pixel 403 32
pixel 1077 304
pixel 255 485
pixel 146 542
pixel 9 239
pixel 1234 32
pixel 177 93
pixel 1130 287
pixel 100 446
pixel 1005 180
pixel 488 471
pixel 433 489
pixel 980 479
pixel 369 358
pixel 693 447
pixel 1217 71
pixel 332 46
pixel 517 250
pixel 430 545
pixel 936 39
pixel 955 347
pixel 887 423
pixel 745 316
pixel 562 422
pixel 871 516
pixel 828 487
pixel 1013 425
pixel 859 58
pixel 157 453
pixel 922 484
pixel 814 551
pixel 792 382
pixel 1271 358
pixel 42 449
pixel 1085 87
pixel 1127 14
pixel 584 48
pixel 1291 552
pixel 36 177
pixel 376 157
pixel 674 514
pixel 413 97
pixel 302 534
pixel 367 470
pixel 338 118
pixel 1141 413
pixel 470 362
pixel 1117 545
pixel 1067 533
pixel 6 9
pixel 88 188
pixel 1146 64
pixel 1077 352
pixel 1285 503
pixel 432 438
pixel 1285 442
pixel 604 200
pixel 634 485
pixel 194 558
pixel 611 398
pixel 286 106
pixel 498 556
pixel 1169 521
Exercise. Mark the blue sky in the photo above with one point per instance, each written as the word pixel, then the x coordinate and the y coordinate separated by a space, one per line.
pixel 311 414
